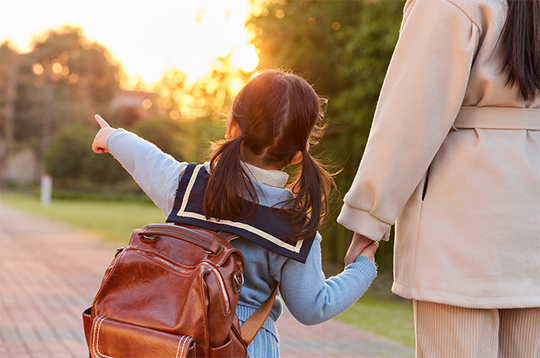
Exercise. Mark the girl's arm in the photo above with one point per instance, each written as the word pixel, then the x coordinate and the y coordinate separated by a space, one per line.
pixel 155 172
pixel 311 298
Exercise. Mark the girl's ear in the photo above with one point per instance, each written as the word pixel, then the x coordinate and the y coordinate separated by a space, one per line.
pixel 298 157
pixel 232 131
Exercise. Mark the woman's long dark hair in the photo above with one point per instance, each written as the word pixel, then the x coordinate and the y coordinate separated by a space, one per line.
pixel 521 41
pixel 277 113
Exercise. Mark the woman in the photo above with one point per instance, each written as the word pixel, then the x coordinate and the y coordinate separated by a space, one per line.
pixel 453 158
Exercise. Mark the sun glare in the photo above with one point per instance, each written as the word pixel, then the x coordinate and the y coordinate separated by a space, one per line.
pixel 245 57
pixel 146 39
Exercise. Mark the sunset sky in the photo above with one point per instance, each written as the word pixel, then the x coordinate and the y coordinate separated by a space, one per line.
pixel 145 36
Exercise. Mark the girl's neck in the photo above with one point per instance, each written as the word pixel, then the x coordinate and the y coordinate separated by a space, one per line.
pixel 257 162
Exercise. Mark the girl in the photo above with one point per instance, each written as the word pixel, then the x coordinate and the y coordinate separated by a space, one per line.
pixel 272 120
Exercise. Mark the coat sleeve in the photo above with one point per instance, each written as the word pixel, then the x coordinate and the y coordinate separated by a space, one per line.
pixel 311 298
pixel 156 172
pixel 420 98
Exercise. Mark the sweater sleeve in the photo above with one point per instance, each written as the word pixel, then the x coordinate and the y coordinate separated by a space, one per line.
pixel 311 298
pixel 420 98
pixel 155 172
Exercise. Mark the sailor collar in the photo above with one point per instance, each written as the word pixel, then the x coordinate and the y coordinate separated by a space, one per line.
pixel 267 226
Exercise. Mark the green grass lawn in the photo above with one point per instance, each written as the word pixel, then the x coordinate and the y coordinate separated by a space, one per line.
pixel 116 220
pixel 384 317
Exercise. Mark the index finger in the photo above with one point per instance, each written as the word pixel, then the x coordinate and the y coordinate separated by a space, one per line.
pixel 102 123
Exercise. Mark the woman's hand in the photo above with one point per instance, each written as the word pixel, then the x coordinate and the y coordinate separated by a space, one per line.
pixel 370 250
pixel 361 245
pixel 100 140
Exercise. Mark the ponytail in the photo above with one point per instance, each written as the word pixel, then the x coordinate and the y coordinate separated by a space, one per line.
pixel 311 189
pixel 521 42
pixel 228 182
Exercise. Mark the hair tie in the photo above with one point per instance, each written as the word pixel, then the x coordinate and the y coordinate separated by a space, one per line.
pixel 242 136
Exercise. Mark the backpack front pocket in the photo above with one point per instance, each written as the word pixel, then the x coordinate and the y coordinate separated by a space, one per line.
pixel 111 338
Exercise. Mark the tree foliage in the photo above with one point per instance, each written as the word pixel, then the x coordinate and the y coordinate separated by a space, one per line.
pixel 165 133
pixel 68 152
pixel 69 158
pixel 200 107
pixel 49 97
pixel 65 79
pixel 8 88
pixel 62 81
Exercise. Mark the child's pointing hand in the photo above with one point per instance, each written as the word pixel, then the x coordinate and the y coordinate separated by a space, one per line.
pixel 100 140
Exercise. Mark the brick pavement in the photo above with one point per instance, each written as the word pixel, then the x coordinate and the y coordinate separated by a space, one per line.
pixel 50 272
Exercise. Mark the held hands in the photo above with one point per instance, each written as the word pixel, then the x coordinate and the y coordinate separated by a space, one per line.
pixel 100 140
pixel 361 246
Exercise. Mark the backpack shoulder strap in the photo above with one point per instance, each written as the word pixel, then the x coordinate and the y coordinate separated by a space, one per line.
pixel 254 323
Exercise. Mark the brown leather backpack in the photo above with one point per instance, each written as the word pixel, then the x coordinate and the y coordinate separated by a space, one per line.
pixel 172 292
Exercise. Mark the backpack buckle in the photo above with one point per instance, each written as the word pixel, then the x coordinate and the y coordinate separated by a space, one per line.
pixel 149 238
pixel 119 250
pixel 238 281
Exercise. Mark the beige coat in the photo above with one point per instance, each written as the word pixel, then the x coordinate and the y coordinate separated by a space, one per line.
pixel 465 193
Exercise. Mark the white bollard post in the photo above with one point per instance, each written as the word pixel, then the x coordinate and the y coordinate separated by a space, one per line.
pixel 46 190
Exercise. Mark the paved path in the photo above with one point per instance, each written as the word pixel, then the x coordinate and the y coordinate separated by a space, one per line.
pixel 50 273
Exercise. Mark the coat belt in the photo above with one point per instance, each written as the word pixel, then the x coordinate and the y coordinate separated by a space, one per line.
pixel 498 118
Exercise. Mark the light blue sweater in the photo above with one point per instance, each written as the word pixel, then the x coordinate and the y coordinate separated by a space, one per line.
pixel 309 296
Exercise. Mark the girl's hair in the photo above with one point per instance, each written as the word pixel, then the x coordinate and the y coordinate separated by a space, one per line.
pixel 521 41
pixel 277 113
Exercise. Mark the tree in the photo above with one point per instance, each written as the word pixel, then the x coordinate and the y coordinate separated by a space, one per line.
pixel 70 161
pixel 200 108
pixel 343 48
pixel 64 80
pixel 9 63
pixel 68 153
pixel 165 133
